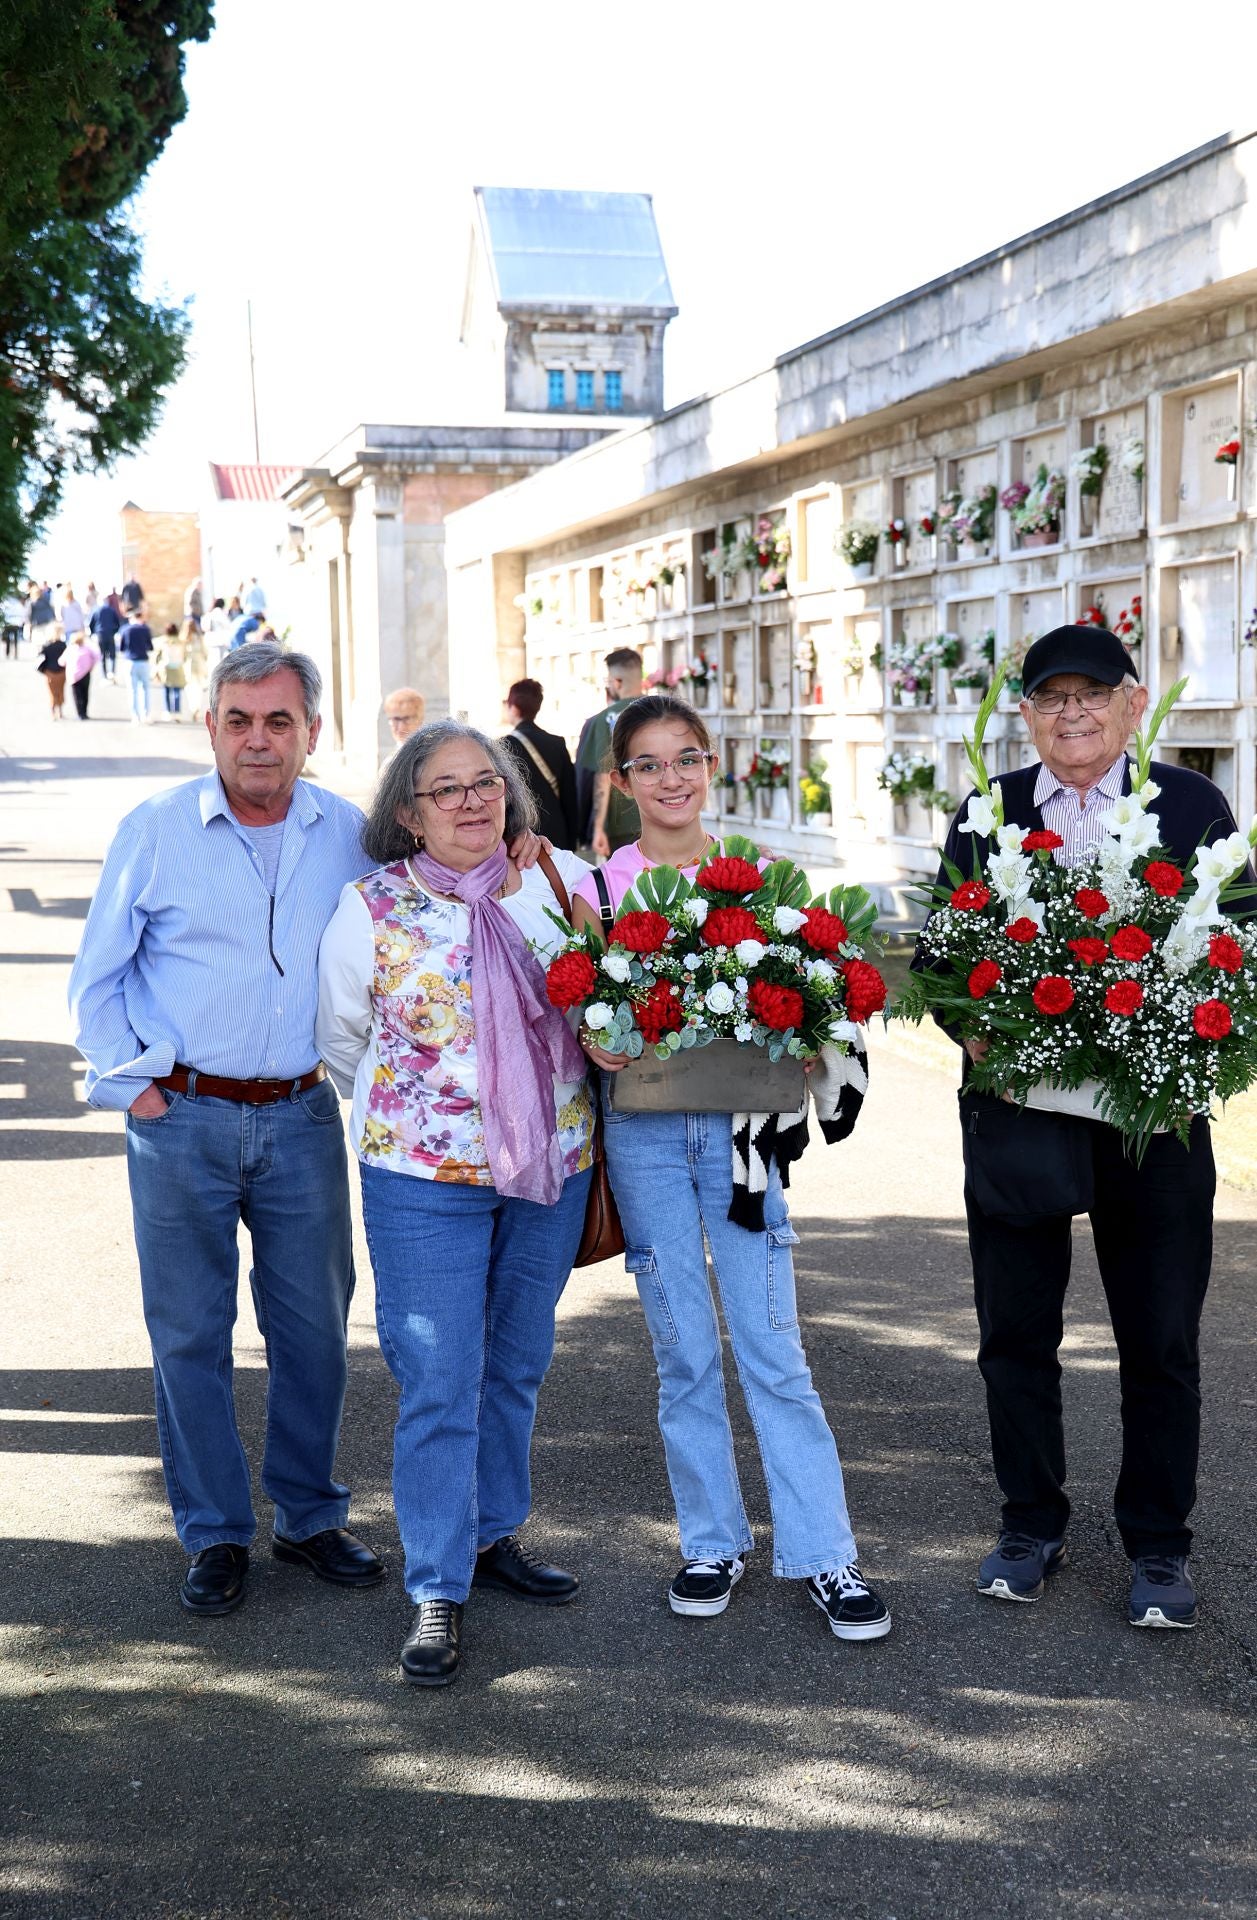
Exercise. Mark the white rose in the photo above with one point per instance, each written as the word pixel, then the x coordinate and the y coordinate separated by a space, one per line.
pixel 719 997
pixel 750 952
pixel 820 970
pixel 788 920
pixel 843 1030
pixel 740 985
pixel 694 909
pixel 617 964
pixel 692 962
pixel 598 1016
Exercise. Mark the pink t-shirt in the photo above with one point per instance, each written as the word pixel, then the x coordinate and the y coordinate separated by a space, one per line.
pixel 622 869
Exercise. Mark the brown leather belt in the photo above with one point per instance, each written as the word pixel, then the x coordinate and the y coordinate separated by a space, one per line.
pixel 254 1093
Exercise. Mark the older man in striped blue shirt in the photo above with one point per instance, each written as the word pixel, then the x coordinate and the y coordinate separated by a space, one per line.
pixel 194 993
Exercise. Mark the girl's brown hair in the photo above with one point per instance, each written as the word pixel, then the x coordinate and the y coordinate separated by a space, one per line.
pixel 643 712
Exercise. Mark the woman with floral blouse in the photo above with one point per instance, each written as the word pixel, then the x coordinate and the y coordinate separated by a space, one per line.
pixel 473 1123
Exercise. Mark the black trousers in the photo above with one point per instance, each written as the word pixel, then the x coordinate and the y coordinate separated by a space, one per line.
pixel 80 690
pixel 1153 1229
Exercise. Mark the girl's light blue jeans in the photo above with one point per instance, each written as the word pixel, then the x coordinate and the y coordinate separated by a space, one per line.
pixel 466 1284
pixel 673 1181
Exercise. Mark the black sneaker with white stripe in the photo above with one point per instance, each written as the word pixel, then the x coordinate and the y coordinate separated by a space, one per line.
pixel 703 1586
pixel 854 1611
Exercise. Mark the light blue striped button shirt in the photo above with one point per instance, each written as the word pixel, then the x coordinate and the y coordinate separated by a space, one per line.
pixel 1079 821
pixel 182 953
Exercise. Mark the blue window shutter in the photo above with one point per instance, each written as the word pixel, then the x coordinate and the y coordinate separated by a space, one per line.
pixel 613 389
pixel 558 387
pixel 584 389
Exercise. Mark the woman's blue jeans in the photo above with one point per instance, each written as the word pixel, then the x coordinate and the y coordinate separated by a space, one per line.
pixel 466 1284
pixel 196 1172
pixel 672 1174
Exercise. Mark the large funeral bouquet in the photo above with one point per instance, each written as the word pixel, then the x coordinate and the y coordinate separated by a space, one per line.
pixel 1126 975
pixel 737 952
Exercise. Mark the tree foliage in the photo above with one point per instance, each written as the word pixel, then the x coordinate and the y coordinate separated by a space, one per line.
pixel 92 90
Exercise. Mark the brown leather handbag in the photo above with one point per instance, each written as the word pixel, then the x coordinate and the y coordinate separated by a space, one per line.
pixel 602 1236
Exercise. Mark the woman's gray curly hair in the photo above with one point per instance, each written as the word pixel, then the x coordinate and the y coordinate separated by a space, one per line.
pixel 385 839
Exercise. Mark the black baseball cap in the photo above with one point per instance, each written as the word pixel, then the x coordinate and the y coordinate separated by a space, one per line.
pixel 1090 650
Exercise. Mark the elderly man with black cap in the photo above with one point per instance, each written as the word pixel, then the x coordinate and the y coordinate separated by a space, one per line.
pixel 1152 1222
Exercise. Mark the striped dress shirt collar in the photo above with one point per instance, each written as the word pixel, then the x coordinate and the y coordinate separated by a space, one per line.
pixel 1078 821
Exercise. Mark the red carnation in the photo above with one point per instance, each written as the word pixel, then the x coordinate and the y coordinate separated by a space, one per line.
pixel 1090 952
pixel 1091 902
pixel 1225 953
pixel 971 897
pixel 823 931
pixel 866 990
pixel 569 980
pixel 1131 943
pixel 1042 842
pixel 1212 1019
pixel 659 1013
pixel 640 932
pixel 1023 929
pixel 725 926
pixel 1124 996
pixel 776 1007
pixel 729 874
pixel 1053 994
pixel 984 976
pixel 1164 878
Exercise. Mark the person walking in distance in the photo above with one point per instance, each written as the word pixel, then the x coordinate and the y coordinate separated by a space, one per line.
pixel 135 642
pixel 51 663
pixel 194 996
pixel 615 818
pixel 544 762
pixel 105 624
pixel 84 655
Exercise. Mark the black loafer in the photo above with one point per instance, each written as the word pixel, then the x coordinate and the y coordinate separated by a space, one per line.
pixel 334 1555
pixel 214 1582
pixel 432 1649
pixel 509 1565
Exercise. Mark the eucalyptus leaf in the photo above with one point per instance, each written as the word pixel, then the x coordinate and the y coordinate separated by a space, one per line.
pixel 703 1036
pixel 673 1042
pixel 688 1038
pixel 632 1046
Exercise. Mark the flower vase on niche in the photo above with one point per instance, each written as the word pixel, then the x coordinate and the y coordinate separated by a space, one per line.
pixel 1231 472
pixel 763 802
pixel 729 686
pixel 899 816
pixel 805 687
pixel 862 570
pixel 698 693
pixel 1045 537
pixel 779 806
pixel 765 693
pixel 967 697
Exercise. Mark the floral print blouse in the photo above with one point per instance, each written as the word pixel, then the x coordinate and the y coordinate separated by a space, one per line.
pixel 397 1028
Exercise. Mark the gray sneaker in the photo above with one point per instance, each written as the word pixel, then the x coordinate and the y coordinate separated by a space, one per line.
pixel 1018 1564
pixel 1161 1592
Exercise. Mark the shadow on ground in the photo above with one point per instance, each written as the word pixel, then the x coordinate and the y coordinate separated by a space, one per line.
pixel 610 1759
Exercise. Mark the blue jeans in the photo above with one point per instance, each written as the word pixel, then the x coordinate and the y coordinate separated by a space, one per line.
pixel 141 674
pixel 466 1284
pixel 196 1172
pixel 673 1180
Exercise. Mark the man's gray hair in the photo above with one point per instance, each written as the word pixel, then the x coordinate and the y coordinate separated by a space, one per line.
pixel 385 839
pixel 258 660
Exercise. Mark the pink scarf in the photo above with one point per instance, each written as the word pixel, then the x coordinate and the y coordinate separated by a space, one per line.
pixel 523 1044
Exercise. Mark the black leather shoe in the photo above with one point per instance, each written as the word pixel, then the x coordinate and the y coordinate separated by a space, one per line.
pixel 334 1555
pixel 214 1582
pixel 432 1649
pixel 509 1565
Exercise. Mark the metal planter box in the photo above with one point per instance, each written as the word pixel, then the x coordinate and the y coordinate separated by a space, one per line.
pixel 724 1077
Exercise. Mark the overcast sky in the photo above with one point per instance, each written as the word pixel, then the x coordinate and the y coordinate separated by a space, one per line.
pixel 807 162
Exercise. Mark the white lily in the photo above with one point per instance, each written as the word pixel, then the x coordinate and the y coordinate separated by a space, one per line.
pixel 1139 835
pixel 980 817
pixel 1222 861
pixel 1009 874
pixel 1010 838
pixel 1025 907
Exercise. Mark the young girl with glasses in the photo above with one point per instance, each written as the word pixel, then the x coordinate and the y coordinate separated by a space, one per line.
pixel 672 1174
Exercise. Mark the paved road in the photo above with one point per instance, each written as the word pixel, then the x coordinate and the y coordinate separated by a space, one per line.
pixel 607 1760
